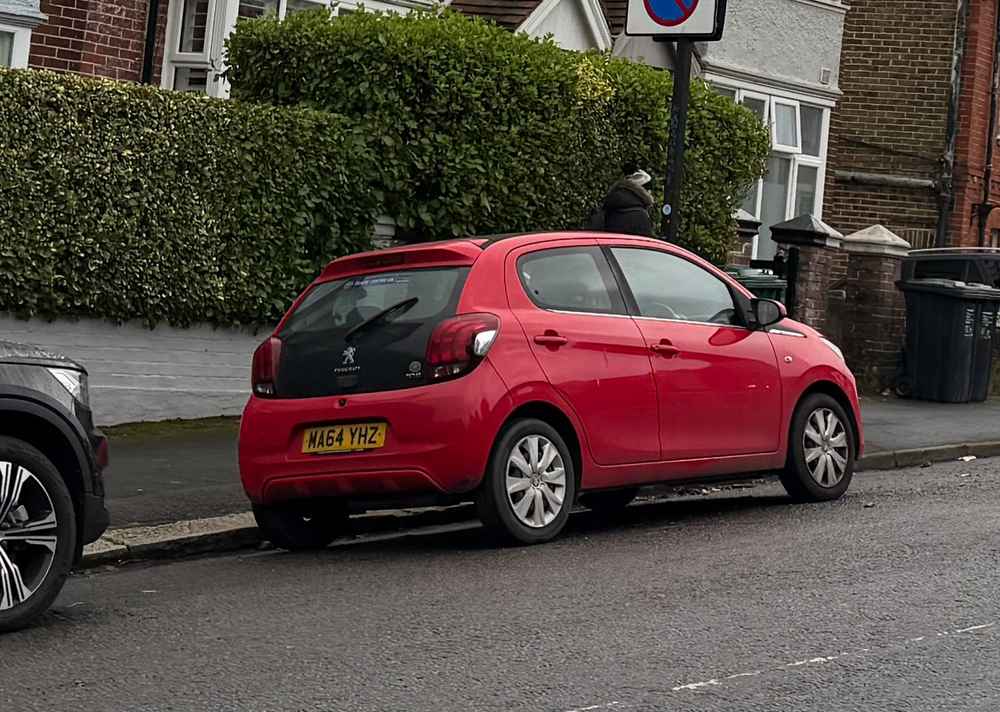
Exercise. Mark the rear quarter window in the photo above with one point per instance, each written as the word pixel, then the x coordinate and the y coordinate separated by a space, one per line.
pixel 577 279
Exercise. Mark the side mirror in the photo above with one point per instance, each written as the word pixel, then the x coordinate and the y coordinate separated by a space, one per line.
pixel 767 312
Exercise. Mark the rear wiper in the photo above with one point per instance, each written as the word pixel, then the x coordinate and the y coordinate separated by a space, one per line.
pixel 403 306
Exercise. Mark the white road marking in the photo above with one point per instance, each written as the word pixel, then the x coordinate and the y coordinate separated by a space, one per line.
pixel 823 659
pixel 605 706
pixel 812 661
pixel 696 685
pixel 976 627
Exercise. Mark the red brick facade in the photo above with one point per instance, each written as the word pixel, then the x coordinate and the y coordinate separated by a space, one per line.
pixel 973 137
pixel 892 122
pixel 97 38
pixel 895 72
pixel 874 319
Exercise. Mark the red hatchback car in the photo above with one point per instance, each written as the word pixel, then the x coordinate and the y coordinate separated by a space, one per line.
pixel 526 373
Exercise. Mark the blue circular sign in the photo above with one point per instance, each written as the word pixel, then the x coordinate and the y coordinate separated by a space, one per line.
pixel 670 13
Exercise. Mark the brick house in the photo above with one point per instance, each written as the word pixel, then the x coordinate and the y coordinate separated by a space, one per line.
pixel 912 142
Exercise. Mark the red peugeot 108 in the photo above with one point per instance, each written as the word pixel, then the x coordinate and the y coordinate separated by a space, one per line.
pixel 523 371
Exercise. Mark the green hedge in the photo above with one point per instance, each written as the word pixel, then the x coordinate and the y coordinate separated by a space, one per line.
pixel 126 202
pixel 480 130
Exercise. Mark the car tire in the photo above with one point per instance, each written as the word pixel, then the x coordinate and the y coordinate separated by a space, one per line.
pixel 821 451
pixel 33 497
pixel 302 525
pixel 530 460
pixel 610 501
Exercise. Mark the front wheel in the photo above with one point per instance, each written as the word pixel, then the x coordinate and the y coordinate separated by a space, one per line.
pixel 37 533
pixel 821 451
pixel 303 525
pixel 530 483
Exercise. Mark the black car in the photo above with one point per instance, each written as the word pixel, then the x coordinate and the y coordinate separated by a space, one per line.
pixel 51 487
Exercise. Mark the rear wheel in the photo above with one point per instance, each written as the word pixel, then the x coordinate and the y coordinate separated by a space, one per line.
pixel 820 451
pixel 37 533
pixel 610 501
pixel 529 485
pixel 302 525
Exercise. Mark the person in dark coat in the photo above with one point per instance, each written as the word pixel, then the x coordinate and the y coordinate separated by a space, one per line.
pixel 626 207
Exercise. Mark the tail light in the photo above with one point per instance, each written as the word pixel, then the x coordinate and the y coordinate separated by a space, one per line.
pixel 264 373
pixel 459 343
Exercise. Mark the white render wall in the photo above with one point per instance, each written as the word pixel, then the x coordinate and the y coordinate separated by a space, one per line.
pixel 139 374
pixel 787 43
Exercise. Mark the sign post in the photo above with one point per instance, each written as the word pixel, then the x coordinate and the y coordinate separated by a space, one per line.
pixel 682 22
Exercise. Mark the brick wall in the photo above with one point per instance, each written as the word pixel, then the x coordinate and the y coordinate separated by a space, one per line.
pixel 95 37
pixel 875 325
pixel 895 75
pixel 818 268
pixel 974 108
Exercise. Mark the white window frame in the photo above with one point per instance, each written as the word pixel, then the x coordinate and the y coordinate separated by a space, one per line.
pixel 794 153
pixel 222 17
pixel 742 95
pixel 20 47
pixel 794 106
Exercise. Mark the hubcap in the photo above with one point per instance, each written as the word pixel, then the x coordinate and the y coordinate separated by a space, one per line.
pixel 28 534
pixel 826 447
pixel 536 481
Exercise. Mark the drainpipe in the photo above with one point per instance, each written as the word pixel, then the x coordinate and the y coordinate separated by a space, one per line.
pixel 987 207
pixel 947 194
pixel 149 53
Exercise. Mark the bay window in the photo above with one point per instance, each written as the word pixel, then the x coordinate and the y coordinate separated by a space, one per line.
pixel 796 168
pixel 197 31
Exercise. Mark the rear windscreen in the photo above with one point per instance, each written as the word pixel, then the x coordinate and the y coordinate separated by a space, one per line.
pixel 366 333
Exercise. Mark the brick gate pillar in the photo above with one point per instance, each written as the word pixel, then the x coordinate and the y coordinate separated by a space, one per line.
pixel 874 330
pixel 815 264
pixel 747 228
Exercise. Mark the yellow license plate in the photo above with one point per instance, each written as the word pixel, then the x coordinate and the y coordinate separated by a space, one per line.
pixel 349 437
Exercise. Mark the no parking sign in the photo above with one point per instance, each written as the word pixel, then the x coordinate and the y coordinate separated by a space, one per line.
pixel 699 20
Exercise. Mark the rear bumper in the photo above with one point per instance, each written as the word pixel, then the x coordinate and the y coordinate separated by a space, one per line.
pixel 438 440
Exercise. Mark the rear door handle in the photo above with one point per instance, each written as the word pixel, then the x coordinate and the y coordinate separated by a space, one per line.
pixel 665 348
pixel 551 339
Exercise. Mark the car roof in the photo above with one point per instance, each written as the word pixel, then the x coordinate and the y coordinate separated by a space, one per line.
pixel 464 251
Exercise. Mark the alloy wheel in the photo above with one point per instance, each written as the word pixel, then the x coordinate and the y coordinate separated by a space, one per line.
pixel 536 481
pixel 28 534
pixel 826 447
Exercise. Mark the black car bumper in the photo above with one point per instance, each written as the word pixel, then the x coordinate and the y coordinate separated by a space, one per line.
pixel 95 519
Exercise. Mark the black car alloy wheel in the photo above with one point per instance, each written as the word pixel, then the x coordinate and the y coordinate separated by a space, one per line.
pixel 37 530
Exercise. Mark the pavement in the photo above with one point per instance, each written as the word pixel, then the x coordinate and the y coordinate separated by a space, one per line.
pixel 883 600
pixel 167 473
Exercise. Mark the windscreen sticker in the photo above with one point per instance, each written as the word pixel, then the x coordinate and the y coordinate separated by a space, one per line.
pixel 376 280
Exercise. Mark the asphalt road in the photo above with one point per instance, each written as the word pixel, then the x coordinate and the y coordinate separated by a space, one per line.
pixel 169 472
pixel 886 600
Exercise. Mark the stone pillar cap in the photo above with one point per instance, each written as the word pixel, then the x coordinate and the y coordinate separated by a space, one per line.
pixel 806 230
pixel 876 240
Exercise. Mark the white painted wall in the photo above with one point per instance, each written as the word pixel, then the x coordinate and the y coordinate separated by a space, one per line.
pixel 782 42
pixel 643 50
pixel 139 374
pixel 568 26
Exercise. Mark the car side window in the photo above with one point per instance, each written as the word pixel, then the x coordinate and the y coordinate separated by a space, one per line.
pixel 666 286
pixel 571 279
